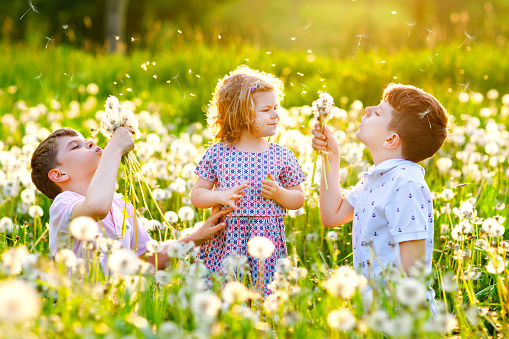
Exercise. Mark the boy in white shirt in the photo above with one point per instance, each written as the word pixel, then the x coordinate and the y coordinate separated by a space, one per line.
pixel 391 207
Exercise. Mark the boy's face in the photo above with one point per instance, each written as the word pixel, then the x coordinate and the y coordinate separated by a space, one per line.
pixel 373 128
pixel 77 156
pixel 266 116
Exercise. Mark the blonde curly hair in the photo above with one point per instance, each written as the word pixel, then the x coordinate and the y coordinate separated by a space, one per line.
pixel 231 109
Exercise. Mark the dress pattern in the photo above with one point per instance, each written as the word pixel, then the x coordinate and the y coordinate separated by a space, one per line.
pixel 228 167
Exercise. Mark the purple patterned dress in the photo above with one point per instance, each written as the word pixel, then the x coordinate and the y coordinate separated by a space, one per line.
pixel 228 167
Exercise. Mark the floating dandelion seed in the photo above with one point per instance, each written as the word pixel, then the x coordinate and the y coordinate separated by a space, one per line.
pixel 306 28
pixel 176 77
pixel 425 114
pixel 360 36
pixel 133 39
pixel 394 12
pixel 410 25
pixel 127 75
pixel 154 76
pixel 32 8
pixel 431 57
pixel 180 32
pixel 129 89
pixel 465 85
pixel 49 40
pixel 39 78
pixel 65 27
pixel 300 74
pixel 70 76
pixel 293 38
pixel 468 37
pixel 117 37
pixel 153 63
pixel 219 36
pixel 430 32
pixel 269 52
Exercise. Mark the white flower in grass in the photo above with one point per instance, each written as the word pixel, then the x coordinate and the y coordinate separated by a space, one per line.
pixel 447 194
pixel 162 277
pixel 489 224
pixel 442 323
pixel 274 301
pixel 260 247
pixel 343 283
pixel 496 265
pixel 399 326
pixel 186 213
pixel 6 225
pixel 342 319
pixel 153 246
pixel 332 236
pixel 377 320
pixel 235 292
pixel 35 211
pixel 153 225
pixel 170 330
pixel 12 260
pixel 197 269
pixel 66 256
pixel 444 165
pixel 296 213
pixel 123 262
pixel 449 282
pixel 298 273
pixel 19 301
pixel 185 232
pixel 159 194
pixel 283 265
pixel 481 244
pixel 176 250
pixel 171 217
pixel 205 306
pixel 83 228
pixel 27 196
pixel 312 237
pixel 410 292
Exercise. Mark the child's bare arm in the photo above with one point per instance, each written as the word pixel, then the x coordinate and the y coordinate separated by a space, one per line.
pixel 202 195
pixel 334 209
pixel 206 231
pixel 411 252
pixel 99 196
pixel 291 198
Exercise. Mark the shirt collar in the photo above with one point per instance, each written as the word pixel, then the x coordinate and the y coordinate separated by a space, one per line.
pixel 389 164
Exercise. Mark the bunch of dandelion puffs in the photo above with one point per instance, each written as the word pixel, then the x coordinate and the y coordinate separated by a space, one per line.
pixel 117 116
pixel 323 109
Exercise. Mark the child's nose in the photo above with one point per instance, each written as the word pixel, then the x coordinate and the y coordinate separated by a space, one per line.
pixel 90 144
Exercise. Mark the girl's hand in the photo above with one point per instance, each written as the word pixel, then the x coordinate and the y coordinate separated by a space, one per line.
pixel 122 139
pixel 227 198
pixel 270 188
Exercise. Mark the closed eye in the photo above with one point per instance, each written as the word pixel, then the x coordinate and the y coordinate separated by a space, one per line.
pixel 77 146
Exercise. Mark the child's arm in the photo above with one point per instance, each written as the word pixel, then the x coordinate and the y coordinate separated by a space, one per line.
pixel 206 231
pixel 334 209
pixel 100 192
pixel 202 195
pixel 411 252
pixel 291 198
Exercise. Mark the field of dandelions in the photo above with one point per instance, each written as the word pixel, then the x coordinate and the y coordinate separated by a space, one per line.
pixel 316 293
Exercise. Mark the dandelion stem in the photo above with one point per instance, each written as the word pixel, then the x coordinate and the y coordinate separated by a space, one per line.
pixel 40 238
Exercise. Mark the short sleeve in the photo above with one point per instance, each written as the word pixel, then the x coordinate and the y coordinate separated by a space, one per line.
pixel 291 174
pixel 407 212
pixel 354 194
pixel 205 168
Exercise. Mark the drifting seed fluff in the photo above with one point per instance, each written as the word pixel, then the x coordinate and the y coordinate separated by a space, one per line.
pixel 231 109
pixel 19 301
pixel 260 247
pixel 123 262
pixel 411 292
pixel 116 116
pixel 83 228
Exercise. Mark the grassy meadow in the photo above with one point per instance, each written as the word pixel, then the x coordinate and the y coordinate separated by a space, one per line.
pixel 316 294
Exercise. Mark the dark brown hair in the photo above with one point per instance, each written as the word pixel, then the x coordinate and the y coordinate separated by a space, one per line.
pixel 418 118
pixel 44 159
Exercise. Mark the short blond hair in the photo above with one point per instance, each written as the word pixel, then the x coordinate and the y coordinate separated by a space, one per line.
pixel 418 118
pixel 231 109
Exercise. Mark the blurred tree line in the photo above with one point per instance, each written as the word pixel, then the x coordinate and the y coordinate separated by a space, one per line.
pixel 327 26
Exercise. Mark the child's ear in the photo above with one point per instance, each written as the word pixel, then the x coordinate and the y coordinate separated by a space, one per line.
pixel 393 141
pixel 56 175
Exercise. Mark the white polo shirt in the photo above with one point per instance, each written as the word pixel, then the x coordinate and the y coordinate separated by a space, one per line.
pixel 392 204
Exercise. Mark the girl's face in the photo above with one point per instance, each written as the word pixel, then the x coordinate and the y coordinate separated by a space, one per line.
pixel 266 116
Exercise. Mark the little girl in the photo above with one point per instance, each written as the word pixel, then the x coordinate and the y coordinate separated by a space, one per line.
pixel 246 172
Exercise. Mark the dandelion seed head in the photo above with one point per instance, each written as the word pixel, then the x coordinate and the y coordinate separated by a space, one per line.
pixel 123 262
pixel 19 301
pixel 410 292
pixel 260 247
pixel 83 228
pixel 186 213
pixel 341 319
